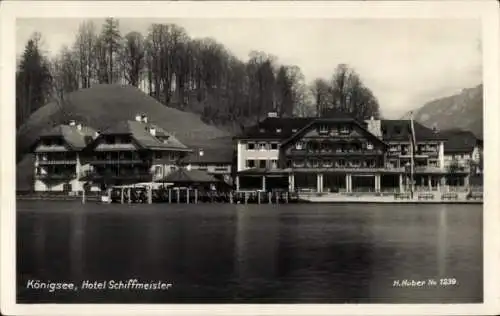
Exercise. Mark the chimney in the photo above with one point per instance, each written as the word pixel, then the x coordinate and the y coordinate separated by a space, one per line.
pixel 374 126
pixel 79 126
pixel 272 114
pixel 72 123
pixel 201 152
pixel 138 118
pixel 152 130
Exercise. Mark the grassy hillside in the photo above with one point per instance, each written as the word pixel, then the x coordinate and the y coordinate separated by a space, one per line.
pixel 100 107
pixel 463 111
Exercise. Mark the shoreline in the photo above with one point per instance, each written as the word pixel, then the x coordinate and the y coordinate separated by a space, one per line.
pixel 310 200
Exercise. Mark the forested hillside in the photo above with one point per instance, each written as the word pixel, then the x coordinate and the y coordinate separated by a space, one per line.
pixel 189 74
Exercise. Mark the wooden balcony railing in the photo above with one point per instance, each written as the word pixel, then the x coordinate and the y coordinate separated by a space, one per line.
pixel 55 176
pixel 120 161
pixel 57 162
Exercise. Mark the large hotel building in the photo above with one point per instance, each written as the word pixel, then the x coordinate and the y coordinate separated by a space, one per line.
pixel 340 154
pixel 336 154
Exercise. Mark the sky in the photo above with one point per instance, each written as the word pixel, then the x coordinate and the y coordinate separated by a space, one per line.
pixel 405 62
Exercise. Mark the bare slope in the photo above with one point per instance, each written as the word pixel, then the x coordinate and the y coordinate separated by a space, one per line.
pixel 463 111
pixel 102 106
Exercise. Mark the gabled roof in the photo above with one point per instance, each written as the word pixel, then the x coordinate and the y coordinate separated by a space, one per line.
pixel 190 176
pixel 140 132
pixel 276 128
pixel 211 155
pixel 77 139
pixel 328 120
pixel 458 140
pixel 400 130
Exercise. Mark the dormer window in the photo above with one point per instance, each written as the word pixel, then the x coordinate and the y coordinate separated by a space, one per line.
pixel 299 146
pixel 344 130
pixel 251 146
pixel 278 130
pixel 369 146
pixel 262 146
pixel 323 129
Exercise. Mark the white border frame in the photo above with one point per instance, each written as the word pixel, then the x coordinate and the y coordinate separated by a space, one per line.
pixel 487 11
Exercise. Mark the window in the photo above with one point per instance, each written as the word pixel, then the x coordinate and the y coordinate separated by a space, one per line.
pixel 369 146
pixel 433 163
pixel 341 163
pixel 158 170
pixel 323 129
pixel 355 163
pixel 299 146
pixel 278 130
pixel 202 166
pixel 274 146
pixel 250 146
pixel 294 130
pixel 262 163
pixel 158 154
pixel 345 130
pixel 274 163
pixel 250 163
pixel 262 146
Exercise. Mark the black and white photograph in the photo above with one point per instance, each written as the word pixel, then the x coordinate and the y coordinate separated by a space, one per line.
pixel 250 155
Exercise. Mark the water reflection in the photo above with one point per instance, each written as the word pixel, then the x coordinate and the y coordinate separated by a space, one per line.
pixel 250 253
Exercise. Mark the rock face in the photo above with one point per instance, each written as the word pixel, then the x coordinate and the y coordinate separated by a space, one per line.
pixel 461 111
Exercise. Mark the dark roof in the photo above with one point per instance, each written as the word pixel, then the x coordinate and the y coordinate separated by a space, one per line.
pixel 211 155
pixel 399 130
pixel 337 119
pixel 75 138
pixel 190 176
pixel 140 132
pixel 459 141
pixel 268 128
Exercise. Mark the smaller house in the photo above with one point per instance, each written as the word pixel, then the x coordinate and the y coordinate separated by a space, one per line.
pixel 463 149
pixel 214 161
pixel 58 157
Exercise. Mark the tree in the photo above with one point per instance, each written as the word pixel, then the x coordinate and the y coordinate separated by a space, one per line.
pixel 65 73
pixel 84 48
pixel 110 40
pixel 320 90
pixel 133 57
pixel 33 80
pixel 349 95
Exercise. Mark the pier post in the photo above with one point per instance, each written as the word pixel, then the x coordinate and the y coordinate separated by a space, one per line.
pixel 150 195
pixel 195 196
pixel 258 197
pixel 263 183
pixel 429 182
pixel 129 195
pixel 122 195
pixel 401 183
pixel 277 194
pixel 83 196
pixel 187 196
pixel 269 195
pixel 286 197
pixel 291 182
pixel 178 195
pixel 246 197
pixel 169 196
pixel 231 197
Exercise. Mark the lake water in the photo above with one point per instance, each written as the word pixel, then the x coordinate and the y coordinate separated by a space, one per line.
pixel 251 254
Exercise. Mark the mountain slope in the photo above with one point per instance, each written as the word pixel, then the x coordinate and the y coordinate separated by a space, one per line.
pixel 462 111
pixel 102 106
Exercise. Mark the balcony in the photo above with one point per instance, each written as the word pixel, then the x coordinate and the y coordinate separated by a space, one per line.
pixel 324 152
pixel 57 162
pixel 138 176
pixel 115 161
pixel 55 176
